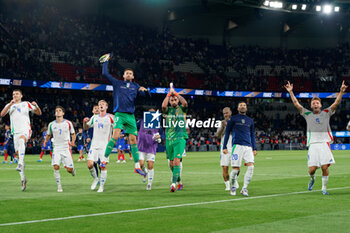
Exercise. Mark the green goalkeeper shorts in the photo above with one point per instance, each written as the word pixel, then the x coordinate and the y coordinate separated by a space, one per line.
pixel 175 148
pixel 125 121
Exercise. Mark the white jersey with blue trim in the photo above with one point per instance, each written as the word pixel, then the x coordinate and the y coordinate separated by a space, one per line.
pixel 61 133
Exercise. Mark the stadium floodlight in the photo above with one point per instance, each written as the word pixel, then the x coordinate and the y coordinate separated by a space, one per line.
pixel 303 7
pixel 266 3
pixel 318 8
pixel 327 9
pixel 294 6
pixel 336 9
pixel 276 4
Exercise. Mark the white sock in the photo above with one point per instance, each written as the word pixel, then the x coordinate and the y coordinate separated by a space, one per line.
pixel 312 176
pixel 233 176
pixel 180 169
pixel 21 151
pixel 103 178
pixel 93 173
pixel 227 183
pixel 248 176
pixel 324 182
pixel 56 174
pixel 21 173
pixel 137 165
pixel 150 176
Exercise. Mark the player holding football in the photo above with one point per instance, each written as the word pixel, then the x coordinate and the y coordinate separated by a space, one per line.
pixel 225 158
pixel 147 143
pixel 45 148
pixel 319 134
pixel 62 131
pixel 124 95
pixel 102 125
pixel 175 133
pixel 20 126
pixel 243 146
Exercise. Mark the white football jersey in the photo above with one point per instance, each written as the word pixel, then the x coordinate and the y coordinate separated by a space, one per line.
pixel 229 143
pixel 103 128
pixel 19 117
pixel 61 133
pixel 318 129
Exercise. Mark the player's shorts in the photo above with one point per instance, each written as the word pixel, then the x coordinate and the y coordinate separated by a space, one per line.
pixel 63 156
pixel 125 120
pixel 320 154
pixel 148 156
pixel 80 147
pixel 5 147
pixel 239 153
pixel 175 148
pixel 225 158
pixel 16 137
pixel 47 147
pixel 96 154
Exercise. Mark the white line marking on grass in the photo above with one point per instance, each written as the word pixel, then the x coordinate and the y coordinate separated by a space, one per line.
pixel 163 207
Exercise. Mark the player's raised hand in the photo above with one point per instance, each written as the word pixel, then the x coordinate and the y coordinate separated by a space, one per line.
pixel 86 119
pixel 143 89
pixel 225 151
pixel 223 124
pixel 35 104
pixel 343 87
pixel 105 58
pixel 289 87
pixel 12 102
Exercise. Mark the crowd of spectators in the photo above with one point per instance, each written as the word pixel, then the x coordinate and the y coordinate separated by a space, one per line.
pixel 154 54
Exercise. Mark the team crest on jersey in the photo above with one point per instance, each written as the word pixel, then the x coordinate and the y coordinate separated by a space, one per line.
pixel 318 121
pixel 243 121
pixel 128 85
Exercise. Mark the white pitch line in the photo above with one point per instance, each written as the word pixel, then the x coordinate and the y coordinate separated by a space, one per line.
pixel 162 207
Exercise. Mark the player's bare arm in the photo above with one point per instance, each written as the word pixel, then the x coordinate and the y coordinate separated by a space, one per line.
pixel 74 136
pixel 37 110
pixel 85 121
pixel 339 97
pixel 221 131
pixel 289 88
pixel 6 108
pixel 182 100
pixel 47 138
pixel 165 104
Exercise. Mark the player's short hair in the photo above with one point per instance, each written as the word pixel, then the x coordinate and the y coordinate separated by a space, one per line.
pixel 129 70
pixel 60 107
pixel 242 102
pixel 18 90
pixel 228 108
pixel 316 98
pixel 103 101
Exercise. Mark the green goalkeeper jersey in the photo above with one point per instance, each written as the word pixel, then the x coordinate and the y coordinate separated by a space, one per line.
pixel 176 123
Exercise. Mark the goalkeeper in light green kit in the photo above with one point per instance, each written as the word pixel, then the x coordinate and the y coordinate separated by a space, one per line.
pixel 175 132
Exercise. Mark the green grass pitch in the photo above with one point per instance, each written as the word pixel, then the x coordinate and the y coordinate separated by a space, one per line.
pixel 278 172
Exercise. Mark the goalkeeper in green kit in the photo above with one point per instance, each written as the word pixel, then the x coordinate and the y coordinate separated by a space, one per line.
pixel 175 132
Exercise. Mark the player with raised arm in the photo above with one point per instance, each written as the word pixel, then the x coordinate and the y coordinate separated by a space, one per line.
pixel 319 134
pixel 45 148
pixel 103 126
pixel 175 132
pixel 147 143
pixel 124 95
pixel 20 127
pixel 243 146
pixel 225 158
pixel 62 131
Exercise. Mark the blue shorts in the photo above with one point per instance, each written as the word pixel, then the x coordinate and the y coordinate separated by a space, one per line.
pixel 5 147
pixel 80 147
pixel 47 147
